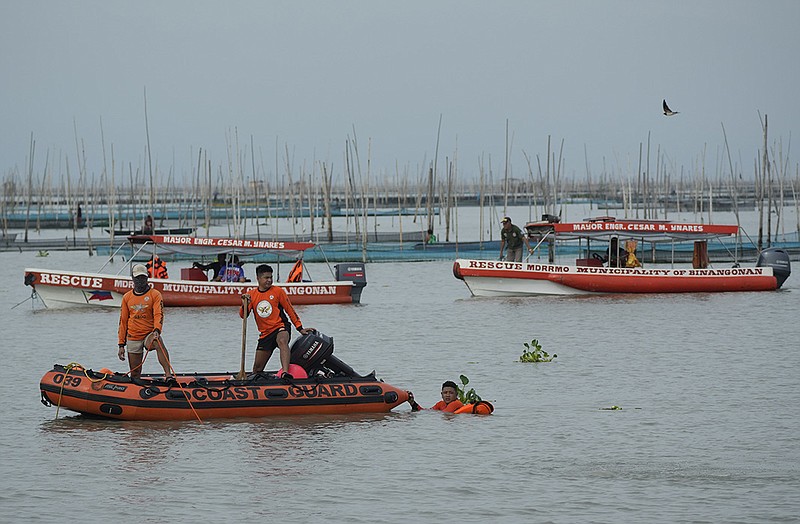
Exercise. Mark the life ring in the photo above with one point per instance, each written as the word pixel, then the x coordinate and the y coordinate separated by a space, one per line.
pixel 478 408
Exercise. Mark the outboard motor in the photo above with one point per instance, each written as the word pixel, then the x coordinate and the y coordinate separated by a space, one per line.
pixel 314 352
pixel 356 273
pixel 778 260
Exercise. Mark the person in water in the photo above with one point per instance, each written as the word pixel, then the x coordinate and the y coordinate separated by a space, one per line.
pixel 141 314
pixel 271 306
pixel 449 402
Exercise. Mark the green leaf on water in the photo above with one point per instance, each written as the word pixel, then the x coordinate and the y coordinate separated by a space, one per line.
pixel 534 353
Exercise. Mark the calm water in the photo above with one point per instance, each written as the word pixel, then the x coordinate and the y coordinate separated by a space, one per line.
pixel 709 430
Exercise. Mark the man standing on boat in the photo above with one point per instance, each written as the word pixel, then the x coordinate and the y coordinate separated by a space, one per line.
pixel 271 306
pixel 141 318
pixel 511 237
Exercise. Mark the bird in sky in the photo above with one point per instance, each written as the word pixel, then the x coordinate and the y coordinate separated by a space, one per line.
pixel 667 110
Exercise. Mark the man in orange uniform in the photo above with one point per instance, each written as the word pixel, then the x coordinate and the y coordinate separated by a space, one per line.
pixel 271 306
pixel 141 314
pixel 449 402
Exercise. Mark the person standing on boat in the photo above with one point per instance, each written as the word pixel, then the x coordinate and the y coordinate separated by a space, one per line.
pixel 141 314
pixel 271 305
pixel 511 237
pixel 449 402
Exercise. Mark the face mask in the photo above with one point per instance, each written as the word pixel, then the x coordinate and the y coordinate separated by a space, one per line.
pixel 140 284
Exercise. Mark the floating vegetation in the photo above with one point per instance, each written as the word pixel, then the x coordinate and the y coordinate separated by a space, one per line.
pixel 42 253
pixel 467 397
pixel 612 408
pixel 534 353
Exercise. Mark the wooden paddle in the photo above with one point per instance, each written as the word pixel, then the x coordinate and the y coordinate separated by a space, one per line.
pixel 245 306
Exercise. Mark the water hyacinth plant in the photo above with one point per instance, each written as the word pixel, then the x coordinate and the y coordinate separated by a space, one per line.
pixel 467 397
pixel 534 353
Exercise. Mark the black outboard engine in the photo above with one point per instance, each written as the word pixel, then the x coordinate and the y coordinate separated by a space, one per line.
pixel 778 260
pixel 355 272
pixel 314 352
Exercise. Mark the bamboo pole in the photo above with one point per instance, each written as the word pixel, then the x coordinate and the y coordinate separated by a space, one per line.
pixel 30 185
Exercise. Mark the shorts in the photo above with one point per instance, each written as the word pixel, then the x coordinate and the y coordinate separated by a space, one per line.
pixel 270 342
pixel 135 346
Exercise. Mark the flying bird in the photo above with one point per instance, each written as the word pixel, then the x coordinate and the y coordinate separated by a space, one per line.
pixel 668 111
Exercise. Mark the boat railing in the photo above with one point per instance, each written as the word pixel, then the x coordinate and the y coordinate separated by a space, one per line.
pixel 325 257
pixel 111 257
pixel 539 243
pixel 734 255
pixel 544 237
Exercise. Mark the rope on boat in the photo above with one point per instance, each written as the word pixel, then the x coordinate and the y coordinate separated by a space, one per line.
pixel 185 394
pixel 67 369
pixel 76 366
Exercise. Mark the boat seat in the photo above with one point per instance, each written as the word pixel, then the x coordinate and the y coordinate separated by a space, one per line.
pixel 589 262
pixel 193 273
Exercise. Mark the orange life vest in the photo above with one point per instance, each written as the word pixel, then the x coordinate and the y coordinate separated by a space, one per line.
pixel 296 274
pixel 157 268
pixel 452 407
pixel 480 408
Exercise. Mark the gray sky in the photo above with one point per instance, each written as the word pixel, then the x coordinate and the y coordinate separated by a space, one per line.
pixel 306 74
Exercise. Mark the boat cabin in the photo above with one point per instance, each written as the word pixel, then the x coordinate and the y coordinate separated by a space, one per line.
pixel 611 242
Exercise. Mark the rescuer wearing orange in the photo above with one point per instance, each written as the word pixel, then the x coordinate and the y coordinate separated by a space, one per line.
pixel 449 402
pixel 271 307
pixel 141 314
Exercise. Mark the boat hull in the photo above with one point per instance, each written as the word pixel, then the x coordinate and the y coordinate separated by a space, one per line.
pixel 212 396
pixel 491 278
pixel 59 289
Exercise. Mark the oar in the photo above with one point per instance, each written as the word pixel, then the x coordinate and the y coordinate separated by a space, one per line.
pixel 245 306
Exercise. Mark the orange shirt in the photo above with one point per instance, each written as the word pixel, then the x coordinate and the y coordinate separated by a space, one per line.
pixel 449 408
pixel 140 315
pixel 269 307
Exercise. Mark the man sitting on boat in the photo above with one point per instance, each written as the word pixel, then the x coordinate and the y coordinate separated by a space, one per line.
pixel 215 266
pixel 430 238
pixel 619 256
pixel 271 307
pixel 147 228
pixel 232 271
pixel 616 254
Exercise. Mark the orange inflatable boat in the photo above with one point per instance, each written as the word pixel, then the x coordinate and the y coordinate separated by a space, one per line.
pixel 332 387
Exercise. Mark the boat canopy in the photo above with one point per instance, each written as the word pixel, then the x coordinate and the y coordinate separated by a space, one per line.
pixel 605 228
pixel 212 246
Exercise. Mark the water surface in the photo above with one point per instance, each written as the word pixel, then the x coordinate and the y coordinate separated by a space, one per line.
pixel 708 432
